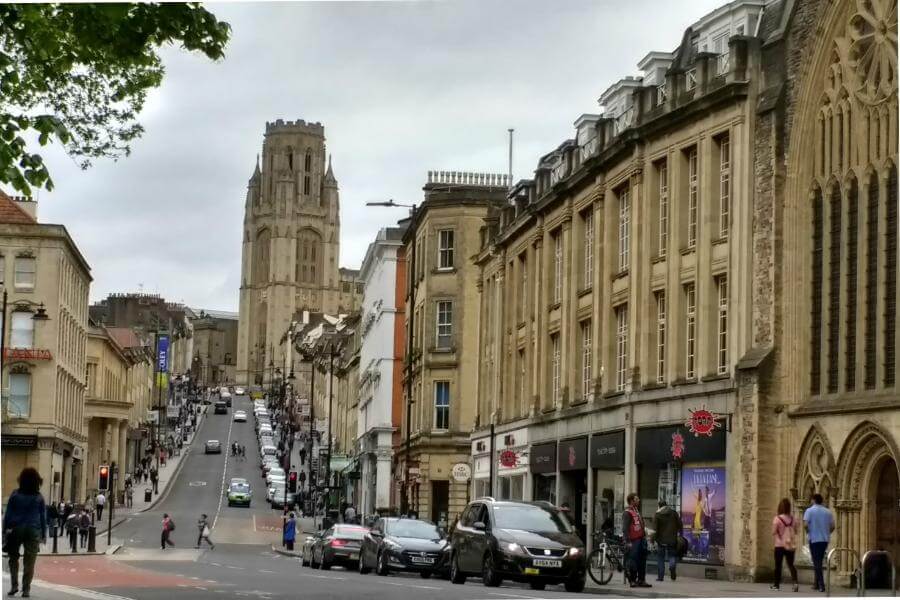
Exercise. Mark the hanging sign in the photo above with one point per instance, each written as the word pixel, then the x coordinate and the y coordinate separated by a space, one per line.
pixel 702 421
pixel 677 446
pixel 509 459
pixel 460 472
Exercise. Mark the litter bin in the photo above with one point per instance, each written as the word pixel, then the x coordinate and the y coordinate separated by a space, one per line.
pixel 148 494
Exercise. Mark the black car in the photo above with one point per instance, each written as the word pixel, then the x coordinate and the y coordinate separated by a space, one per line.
pixel 398 544
pixel 531 542
pixel 338 545
pixel 221 408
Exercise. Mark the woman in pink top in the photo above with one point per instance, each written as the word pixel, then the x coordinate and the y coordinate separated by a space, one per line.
pixel 784 534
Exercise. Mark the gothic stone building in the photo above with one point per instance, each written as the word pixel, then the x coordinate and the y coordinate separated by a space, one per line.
pixel 291 243
pixel 729 216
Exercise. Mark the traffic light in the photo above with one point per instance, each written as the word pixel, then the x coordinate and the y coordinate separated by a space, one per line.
pixel 103 482
pixel 292 482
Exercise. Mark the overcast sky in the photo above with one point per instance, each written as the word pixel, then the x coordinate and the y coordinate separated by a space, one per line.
pixel 402 88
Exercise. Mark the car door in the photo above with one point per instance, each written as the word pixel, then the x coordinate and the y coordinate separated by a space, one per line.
pixel 467 563
pixel 370 544
pixel 323 538
pixel 479 543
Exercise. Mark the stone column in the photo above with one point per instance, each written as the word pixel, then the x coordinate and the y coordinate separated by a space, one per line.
pixel 382 478
pixel 122 448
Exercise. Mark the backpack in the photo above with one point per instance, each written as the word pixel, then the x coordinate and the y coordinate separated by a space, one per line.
pixel 171 525
pixel 788 534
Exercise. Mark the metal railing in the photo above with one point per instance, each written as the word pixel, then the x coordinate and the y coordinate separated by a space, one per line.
pixel 858 569
pixel 862 567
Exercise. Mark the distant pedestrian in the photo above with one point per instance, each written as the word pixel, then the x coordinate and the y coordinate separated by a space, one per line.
pixel 129 497
pixel 784 536
pixel 146 474
pixel 819 525
pixel 84 526
pixel 168 526
pixel 290 532
pixel 635 534
pixel 101 502
pixel 73 523
pixel 349 514
pixel 24 526
pixel 52 516
pixel 154 476
pixel 203 527
pixel 668 528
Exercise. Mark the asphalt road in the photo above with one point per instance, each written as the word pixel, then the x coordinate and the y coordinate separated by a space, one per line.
pixel 243 563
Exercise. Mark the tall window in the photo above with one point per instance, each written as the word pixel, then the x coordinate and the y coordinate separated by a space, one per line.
pixel 557 265
pixel 22 332
pixel 693 197
pixel 834 286
pixel 690 305
pixel 621 346
pixel 586 358
pixel 815 372
pixel 19 406
pixel 522 385
pixel 523 286
pixel 445 248
pixel 2 270
pixel 661 336
pixel 307 172
pixel 851 316
pixel 624 227
pixel 722 333
pixel 724 184
pixel 890 281
pixel 442 405
pixel 24 275
pixel 663 172
pixel 871 282
pixel 555 369
pixel 444 324
pixel 309 257
pixel 588 270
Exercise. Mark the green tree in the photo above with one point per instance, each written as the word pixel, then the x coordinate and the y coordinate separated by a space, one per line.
pixel 80 73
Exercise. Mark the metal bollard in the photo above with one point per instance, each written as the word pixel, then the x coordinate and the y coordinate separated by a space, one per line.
pixel 92 539
pixel 55 537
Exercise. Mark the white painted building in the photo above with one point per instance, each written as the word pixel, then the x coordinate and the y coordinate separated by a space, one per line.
pixel 380 367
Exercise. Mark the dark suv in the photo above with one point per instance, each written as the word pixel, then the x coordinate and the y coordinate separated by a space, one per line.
pixel 530 542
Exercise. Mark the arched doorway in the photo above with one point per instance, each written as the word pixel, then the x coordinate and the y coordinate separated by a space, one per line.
pixel 886 495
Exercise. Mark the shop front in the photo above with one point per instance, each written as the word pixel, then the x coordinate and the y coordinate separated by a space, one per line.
pixel 572 462
pixel 542 463
pixel 512 465
pixel 607 458
pixel 687 470
pixel 481 461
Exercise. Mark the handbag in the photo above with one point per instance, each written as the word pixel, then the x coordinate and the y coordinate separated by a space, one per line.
pixel 681 546
pixel 205 531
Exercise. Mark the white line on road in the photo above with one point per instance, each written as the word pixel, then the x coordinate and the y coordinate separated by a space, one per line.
pixel 265 571
pixel 409 585
pixel 511 595
pixel 224 474
pixel 73 591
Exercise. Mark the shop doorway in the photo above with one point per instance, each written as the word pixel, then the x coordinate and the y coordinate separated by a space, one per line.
pixel 440 501
pixel 887 509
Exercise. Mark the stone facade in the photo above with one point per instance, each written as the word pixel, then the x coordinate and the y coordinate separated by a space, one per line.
pixel 215 347
pixel 291 245
pixel 46 283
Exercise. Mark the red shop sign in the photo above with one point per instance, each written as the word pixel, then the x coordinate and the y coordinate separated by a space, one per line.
pixel 26 354
pixel 702 422
pixel 508 459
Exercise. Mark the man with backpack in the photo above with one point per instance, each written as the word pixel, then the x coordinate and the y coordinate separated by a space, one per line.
pixel 168 526
pixel 635 535
pixel 668 528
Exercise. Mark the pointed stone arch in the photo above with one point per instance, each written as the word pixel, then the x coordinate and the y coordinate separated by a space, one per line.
pixel 815 470
pixel 866 445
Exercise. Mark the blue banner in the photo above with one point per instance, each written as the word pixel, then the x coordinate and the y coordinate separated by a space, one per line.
pixel 162 354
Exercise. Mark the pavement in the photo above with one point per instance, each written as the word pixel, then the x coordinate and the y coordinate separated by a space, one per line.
pixel 246 562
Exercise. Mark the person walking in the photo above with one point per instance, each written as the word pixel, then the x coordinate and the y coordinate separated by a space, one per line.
pixel 84 525
pixel 24 526
pixel 154 477
pixel 635 534
pixel 290 532
pixel 168 526
pixel 350 514
pixel 668 528
pixel 819 525
pixel 101 502
pixel 146 473
pixel 203 526
pixel 52 517
pixel 129 496
pixel 784 536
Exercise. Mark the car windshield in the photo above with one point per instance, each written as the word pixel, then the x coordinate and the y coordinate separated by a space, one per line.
pixel 349 533
pixel 530 518
pixel 241 488
pixel 413 529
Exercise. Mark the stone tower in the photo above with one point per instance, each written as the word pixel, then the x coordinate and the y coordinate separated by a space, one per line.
pixel 291 237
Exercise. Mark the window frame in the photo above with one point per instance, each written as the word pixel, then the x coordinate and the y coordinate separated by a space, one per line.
pixel 621 346
pixel 448 326
pixel 9 405
pixel 446 252
pixel 693 225
pixel 27 317
pixel 16 271
pixel 555 368
pixel 587 356
pixel 587 272
pixel 557 265
pixel 660 336
pixel 722 325
pixel 624 225
pixel 441 411
pixel 724 185
pixel 663 207
pixel 690 330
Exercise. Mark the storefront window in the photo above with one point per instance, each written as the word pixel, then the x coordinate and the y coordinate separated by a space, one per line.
pixel 482 488
pixel 512 487
pixel 545 487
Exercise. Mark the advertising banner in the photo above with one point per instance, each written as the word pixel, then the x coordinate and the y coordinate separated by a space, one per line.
pixel 703 513
pixel 162 354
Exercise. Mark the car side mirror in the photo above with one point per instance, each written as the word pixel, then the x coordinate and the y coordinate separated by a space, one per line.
pixel 479 526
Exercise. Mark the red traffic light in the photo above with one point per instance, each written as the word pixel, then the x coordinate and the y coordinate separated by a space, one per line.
pixel 103 479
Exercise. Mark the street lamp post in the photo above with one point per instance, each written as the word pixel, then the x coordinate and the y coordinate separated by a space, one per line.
pixel 411 276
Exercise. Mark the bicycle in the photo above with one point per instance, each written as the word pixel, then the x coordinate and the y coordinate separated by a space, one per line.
pixel 606 558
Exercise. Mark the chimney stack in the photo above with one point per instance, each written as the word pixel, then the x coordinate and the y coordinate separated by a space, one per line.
pixel 26 203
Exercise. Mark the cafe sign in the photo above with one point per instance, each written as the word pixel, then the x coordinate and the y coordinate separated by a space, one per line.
pixel 702 421
pixel 26 354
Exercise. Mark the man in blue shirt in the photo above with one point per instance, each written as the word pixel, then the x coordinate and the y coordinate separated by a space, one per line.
pixel 819 524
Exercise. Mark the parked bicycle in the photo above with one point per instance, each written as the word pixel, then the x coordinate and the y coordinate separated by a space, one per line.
pixel 607 557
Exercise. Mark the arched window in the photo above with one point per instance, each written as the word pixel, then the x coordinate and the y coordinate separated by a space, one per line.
pixel 307 172
pixel 261 257
pixel 309 254
pixel 816 303
pixel 290 158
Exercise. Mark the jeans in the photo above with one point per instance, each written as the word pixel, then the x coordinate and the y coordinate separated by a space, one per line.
pixel 782 555
pixel 817 550
pixel 636 561
pixel 73 540
pixel 663 551
pixel 29 539
pixel 164 539
pixel 99 512
pixel 202 537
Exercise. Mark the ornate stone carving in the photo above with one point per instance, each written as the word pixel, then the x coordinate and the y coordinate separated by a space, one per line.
pixel 872 32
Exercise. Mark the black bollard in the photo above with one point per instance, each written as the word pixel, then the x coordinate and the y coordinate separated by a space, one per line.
pixel 92 538
pixel 55 537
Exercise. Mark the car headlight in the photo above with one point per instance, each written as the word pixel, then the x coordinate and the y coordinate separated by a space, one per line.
pixel 574 551
pixel 513 547
pixel 391 544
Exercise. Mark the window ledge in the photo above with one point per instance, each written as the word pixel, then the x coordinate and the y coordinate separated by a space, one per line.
pixel 686 381
pixel 520 325
pixel 579 402
pixel 444 271
pixel 585 291
pixel 655 386
pixel 609 395
pixel 716 377
pixel 620 275
pixel 548 410
pixel 658 259
pixel 688 250
pixel 553 306
pixel 720 240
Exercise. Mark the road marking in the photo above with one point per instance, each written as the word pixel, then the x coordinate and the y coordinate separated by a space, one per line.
pixel 73 591
pixel 197 483
pixel 409 585
pixel 511 595
pixel 265 571
pixel 224 474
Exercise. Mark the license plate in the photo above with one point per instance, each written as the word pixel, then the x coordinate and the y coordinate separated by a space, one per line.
pixel 424 560
pixel 543 562
pixel 530 571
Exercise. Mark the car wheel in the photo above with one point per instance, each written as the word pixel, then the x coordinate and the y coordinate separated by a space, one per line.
pixel 537 585
pixel 229 503
pixel 575 585
pixel 312 561
pixel 304 562
pixel 381 567
pixel 363 569
pixel 489 575
pixel 425 574
pixel 324 565
pixel 456 576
